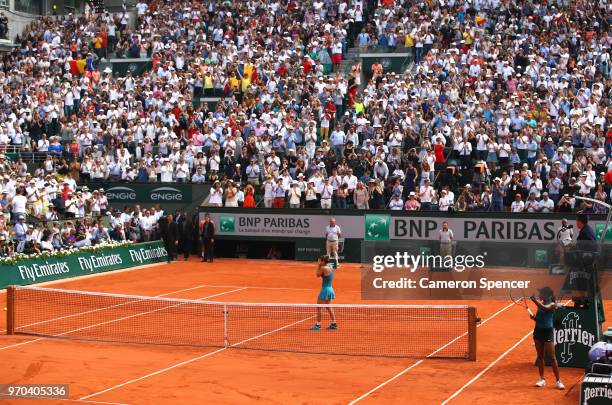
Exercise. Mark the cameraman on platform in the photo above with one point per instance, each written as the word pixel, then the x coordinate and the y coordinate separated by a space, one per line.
pixel 565 235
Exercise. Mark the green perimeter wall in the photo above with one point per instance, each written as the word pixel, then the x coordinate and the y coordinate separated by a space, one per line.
pixel 39 270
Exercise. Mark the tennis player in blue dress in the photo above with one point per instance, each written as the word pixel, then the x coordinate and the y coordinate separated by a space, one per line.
pixel 325 270
pixel 543 334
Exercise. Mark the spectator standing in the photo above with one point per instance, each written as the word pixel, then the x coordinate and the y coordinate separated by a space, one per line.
pixel 327 192
pixel 426 195
pixel 497 195
pixel 294 194
pixel 546 204
pixel 269 191
pixel 19 203
pixel 21 229
pixel 518 205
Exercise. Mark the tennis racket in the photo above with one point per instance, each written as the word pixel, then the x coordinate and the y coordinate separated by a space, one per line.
pixel 518 297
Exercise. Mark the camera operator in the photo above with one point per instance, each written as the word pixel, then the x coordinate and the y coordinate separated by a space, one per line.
pixel 565 235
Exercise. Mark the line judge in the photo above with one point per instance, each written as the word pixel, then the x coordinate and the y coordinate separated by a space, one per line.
pixel 446 240
pixel 332 234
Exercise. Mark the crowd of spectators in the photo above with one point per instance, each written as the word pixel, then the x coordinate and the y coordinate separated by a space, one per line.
pixel 506 108
pixel 133 225
pixel 45 212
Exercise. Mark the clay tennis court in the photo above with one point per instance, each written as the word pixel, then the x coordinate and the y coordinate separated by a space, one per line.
pixel 127 373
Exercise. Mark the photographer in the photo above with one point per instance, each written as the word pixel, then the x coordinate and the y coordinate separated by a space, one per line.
pixel 565 204
pixel 565 235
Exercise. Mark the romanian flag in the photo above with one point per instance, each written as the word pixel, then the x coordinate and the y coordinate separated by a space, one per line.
pixel 81 66
pixel 73 67
pixel 77 66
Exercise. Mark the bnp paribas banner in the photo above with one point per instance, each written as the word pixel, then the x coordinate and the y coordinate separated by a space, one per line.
pixel 87 261
pixel 294 226
pixel 386 227
pixel 381 227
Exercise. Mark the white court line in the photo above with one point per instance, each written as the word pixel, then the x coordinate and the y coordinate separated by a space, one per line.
pixel 404 371
pixel 102 309
pixel 115 320
pixel 504 354
pixel 194 359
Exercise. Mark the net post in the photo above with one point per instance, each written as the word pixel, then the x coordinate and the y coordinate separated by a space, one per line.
pixel 225 337
pixel 10 310
pixel 472 322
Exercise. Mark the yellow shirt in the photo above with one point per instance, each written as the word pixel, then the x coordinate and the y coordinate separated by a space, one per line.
pixel 408 41
pixel 359 107
pixel 246 82
pixel 467 37
pixel 248 70
pixel 234 83
pixel 208 82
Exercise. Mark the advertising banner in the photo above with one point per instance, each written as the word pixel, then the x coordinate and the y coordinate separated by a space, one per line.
pixel 294 225
pixel 136 66
pixel 384 226
pixel 575 333
pixel 150 193
pixel 38 270
pixel 596 390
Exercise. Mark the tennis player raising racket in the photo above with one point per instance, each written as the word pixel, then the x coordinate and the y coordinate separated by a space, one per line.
pixel 543 334
pixel 325 270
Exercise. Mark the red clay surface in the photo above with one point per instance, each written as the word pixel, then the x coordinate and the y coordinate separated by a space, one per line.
pixel 113 373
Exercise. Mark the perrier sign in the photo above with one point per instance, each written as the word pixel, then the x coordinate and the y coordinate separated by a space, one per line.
pixel 575 333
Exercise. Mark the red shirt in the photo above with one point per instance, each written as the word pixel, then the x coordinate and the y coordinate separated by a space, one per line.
pixel 65 192
pixel 439 151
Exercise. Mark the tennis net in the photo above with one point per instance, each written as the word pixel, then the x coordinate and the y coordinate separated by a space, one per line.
pixel 415 331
